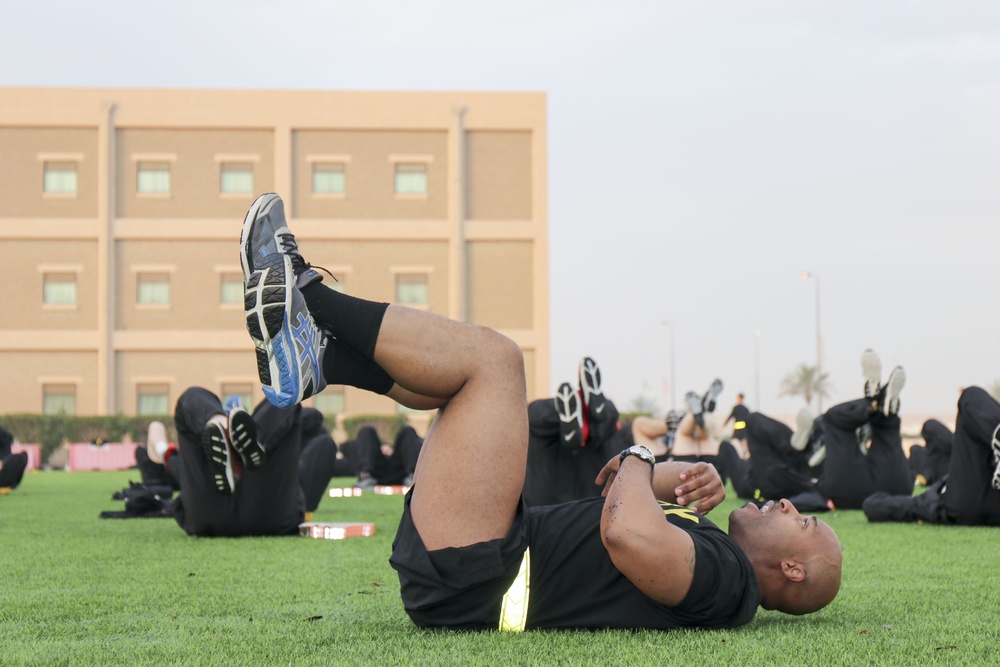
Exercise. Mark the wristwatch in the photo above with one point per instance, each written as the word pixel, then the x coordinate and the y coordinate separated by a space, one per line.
pixel 638 451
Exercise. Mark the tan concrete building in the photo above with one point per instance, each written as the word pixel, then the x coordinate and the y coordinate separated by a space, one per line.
pixel 120 213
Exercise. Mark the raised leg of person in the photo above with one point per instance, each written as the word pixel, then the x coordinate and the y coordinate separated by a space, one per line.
pixel 406 448
pixel 202 510
pixel 13 469
pixel 468 480
pixel 940 441
pixel 270 498
pixel 318 463
pixel 890 469
pixel 848 475
pixel 917 456
pixel 736 469
pixel 768 440
pixel 969 496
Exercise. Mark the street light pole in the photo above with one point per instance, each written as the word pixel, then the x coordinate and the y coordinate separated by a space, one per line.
pixel 673 366
pixel 819 344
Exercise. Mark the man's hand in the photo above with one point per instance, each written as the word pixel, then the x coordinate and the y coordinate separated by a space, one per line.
pixel 700 488
pixel 607 474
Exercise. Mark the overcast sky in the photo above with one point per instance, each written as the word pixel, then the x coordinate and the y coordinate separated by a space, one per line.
pixel 701 157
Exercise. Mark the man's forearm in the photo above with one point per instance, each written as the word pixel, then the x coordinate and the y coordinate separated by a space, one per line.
pixel 666 479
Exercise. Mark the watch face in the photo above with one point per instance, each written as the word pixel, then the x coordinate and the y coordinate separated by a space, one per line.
pixel 640 451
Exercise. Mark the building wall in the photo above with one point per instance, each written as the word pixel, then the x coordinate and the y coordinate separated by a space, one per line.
pixel 476 242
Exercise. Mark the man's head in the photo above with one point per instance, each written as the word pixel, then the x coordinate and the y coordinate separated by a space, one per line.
pixel 739 398
pixel 797 558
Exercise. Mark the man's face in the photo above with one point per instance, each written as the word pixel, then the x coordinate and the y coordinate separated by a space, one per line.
pixel 778 526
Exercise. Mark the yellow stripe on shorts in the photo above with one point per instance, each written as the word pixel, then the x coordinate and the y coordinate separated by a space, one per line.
pixel 739 425
pixel 514 610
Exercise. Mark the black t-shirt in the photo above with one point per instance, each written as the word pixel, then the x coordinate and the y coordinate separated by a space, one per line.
pixel 740 413
pixel 574 584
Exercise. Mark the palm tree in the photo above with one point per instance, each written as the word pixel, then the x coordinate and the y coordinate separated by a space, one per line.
pixel 805 381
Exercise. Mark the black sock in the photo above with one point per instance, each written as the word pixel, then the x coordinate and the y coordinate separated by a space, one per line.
pixel 351 320
pixel 342 364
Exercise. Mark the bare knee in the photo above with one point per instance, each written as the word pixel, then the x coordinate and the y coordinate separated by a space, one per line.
pixel 501 353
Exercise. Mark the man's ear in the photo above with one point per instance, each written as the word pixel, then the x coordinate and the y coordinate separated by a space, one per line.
pixel 793 570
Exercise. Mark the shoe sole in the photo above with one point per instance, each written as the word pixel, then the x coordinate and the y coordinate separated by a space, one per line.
pixel 268 293
pixel 243 434
pixel 590 385
pixel 708 402
pixel 818 457
pixel 261 207
pixel 893 386
pixel 801 436
pixel 570 416
pixel 216 445
pixel 995 444
pixel 871 369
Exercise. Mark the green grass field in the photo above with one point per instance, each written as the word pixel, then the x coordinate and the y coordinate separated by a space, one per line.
pixel 81 590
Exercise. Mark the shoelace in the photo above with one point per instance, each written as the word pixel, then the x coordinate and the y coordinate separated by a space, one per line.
pixel 291 248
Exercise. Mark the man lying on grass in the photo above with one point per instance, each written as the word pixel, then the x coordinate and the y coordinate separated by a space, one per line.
pixel 469 553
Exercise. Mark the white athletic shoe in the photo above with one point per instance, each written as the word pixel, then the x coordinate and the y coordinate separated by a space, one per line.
pixel 818 456
pixel 871 369
pixel 894 385
pixel 695 407
pixel 803 428
pixel 996 457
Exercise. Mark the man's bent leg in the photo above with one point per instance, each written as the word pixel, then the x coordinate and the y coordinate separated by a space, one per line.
pixel 467 484
pixel 969 495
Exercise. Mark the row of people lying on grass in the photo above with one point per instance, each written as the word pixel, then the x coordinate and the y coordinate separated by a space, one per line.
pixel 261 474
pixel 849 458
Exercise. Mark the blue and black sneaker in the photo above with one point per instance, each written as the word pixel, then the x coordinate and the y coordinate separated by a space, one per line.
pixel 266 234
pixel 288 343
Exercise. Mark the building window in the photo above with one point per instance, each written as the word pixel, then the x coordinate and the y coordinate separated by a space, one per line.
pixel 59 178
pixel 411 289
pixel 241 390
pixel 231 289
pixel 153 178
pixel 411 179
pixel 153 289
pixel 59 289
pixel 59 399
pixel 152 399
pixel 236 178
pixel 330 403
pixel 328 179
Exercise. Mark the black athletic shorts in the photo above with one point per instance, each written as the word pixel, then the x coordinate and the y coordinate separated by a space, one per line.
pixel 459 588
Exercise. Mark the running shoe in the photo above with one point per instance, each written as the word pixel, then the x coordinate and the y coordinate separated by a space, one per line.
pixel 803 428
pixel 818 456
pixel 590 385
pixel 266 234
pixel 288 344
pixel 708 400
pixel 995 444
pixel 570 416
pixel 894 385
pixel 215 442
pixel 871 369
pixel 243 435
pixel 696 407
